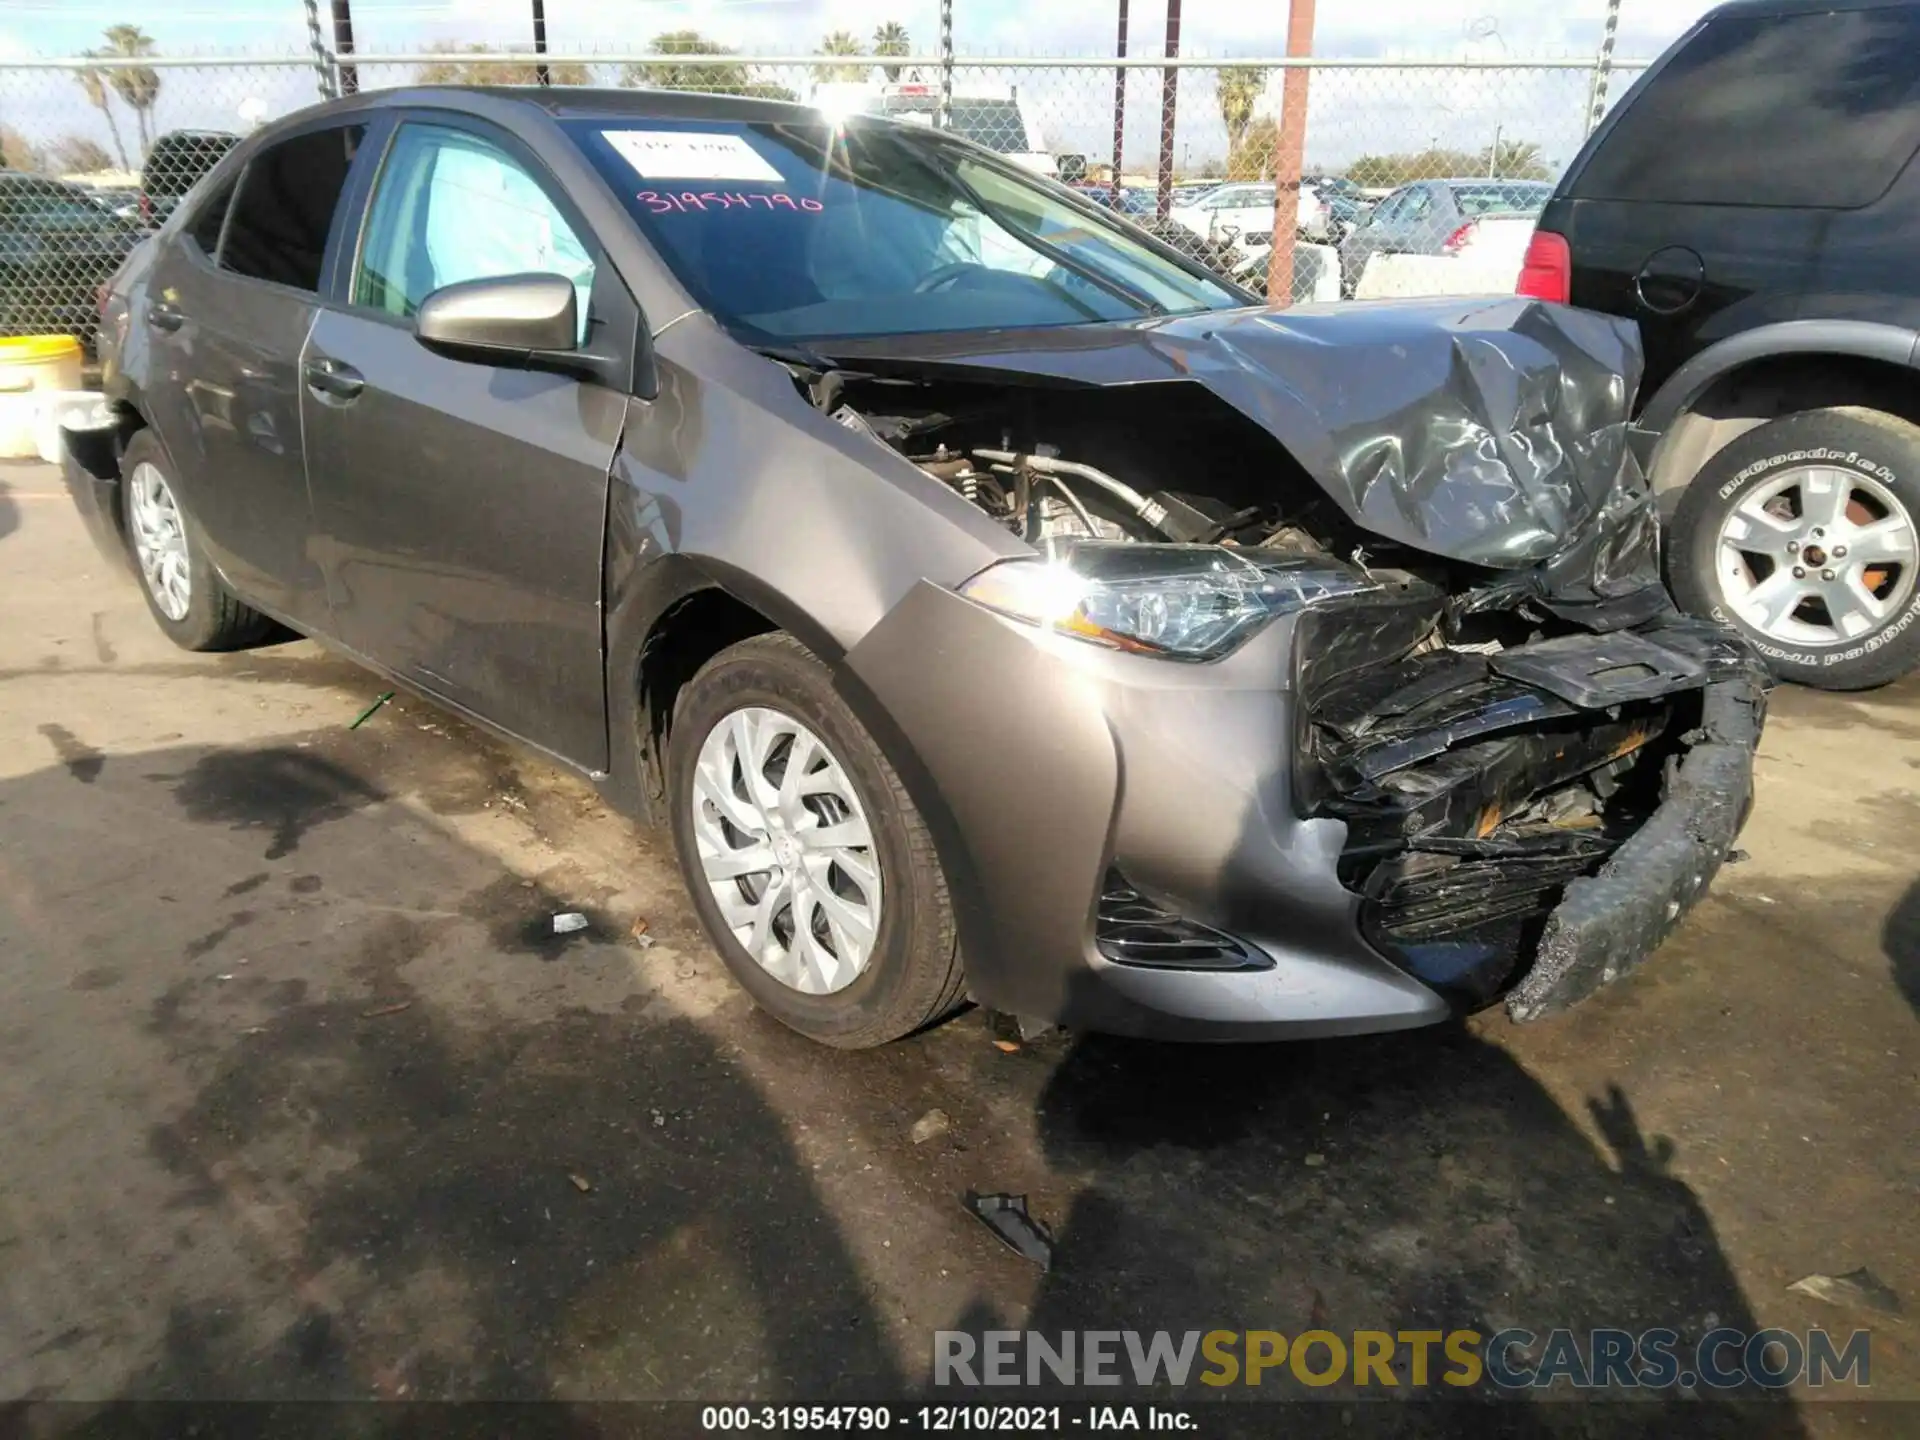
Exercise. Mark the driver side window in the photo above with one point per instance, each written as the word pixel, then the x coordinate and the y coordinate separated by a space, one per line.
pixel 449 206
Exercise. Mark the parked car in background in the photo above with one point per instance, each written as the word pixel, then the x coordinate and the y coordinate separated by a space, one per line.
pixel 955 572
pixel 1753 205
pixel 1316 269
pixel 58 246
pixel 1129 202
pixel 1345 214
pixel 175 164
pixel 1444 219
pixel 120 201
pixel 1238 209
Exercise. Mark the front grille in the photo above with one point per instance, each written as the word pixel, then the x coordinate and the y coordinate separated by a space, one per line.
pixel 1130 929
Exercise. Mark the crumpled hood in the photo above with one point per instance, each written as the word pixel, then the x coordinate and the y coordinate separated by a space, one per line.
pixel 1491 431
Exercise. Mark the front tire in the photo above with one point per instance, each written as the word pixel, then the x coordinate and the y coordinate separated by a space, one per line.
pixel 188 598
pixel 1800 534
pixel 808 863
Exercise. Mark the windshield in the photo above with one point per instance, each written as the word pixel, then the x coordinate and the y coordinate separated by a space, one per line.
pixel 808 232
pixel 1502 199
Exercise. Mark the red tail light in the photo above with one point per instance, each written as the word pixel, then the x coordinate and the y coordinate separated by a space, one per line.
pixel 146 207
pixel 1547 272
pixel 1457 241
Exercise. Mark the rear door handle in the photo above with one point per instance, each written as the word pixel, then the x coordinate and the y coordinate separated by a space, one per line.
pixel 162 316
pixel 335 378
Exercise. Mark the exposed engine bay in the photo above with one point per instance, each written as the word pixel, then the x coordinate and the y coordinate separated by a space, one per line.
pixel 1499 716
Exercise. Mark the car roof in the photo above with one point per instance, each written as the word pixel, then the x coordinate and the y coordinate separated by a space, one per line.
pixel 573 102
pixel 1762 9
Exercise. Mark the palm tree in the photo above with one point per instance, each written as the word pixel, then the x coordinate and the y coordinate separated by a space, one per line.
pixel 100 96
pixel 1515 160
pixel 891 39
pixel 840 42
pixel 1240 88
pixel 138 85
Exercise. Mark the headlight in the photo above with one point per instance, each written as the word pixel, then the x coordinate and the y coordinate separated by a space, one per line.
pixel 1184 602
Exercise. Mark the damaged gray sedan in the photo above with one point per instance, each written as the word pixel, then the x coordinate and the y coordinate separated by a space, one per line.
pixel 991 602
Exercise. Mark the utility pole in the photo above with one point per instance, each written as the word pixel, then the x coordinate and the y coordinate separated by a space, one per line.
pixel 1493 156
pixel 1169 83
pixel 1602 68
pixel 1119 107
pixel 343 47
pixel 322 61
pixel 541 75
pixel 943 117
pixel 1290 153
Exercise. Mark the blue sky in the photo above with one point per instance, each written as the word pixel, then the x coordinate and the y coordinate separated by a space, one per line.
pixel 1352 112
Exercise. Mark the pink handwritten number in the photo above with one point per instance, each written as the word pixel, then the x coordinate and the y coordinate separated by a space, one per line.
pixel 672 204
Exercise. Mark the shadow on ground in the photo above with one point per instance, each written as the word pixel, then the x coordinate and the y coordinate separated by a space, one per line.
pixel 1900 939
pixel 1421 1181
pixel 370 1150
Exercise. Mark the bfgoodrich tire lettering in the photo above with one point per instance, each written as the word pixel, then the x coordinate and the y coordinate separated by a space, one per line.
pixel 1831 605
pixel 211 618
pixel 912 973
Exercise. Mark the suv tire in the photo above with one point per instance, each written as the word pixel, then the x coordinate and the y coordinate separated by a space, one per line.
pixel 1767 540
pixel 189 600
pixel 753 708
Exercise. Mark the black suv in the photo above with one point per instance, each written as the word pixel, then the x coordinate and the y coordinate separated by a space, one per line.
pixel 174 166
pixel 1751 203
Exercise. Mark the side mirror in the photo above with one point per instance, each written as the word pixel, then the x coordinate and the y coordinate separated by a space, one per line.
pixel 499 319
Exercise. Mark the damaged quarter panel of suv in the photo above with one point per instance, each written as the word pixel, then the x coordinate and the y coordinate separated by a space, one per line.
pixel 993 602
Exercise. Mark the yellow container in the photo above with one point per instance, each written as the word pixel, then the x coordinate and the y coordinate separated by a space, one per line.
pixel 28 365
pixel 52 362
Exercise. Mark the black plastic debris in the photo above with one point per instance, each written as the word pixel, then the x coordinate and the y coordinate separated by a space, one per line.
pixel 1007 1217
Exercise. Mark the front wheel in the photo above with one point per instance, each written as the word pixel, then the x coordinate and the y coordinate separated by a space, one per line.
pixel 808 863
pixel 1801 535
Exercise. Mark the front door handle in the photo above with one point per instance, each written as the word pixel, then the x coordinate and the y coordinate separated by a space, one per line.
pixel 335 378
pixel 162 316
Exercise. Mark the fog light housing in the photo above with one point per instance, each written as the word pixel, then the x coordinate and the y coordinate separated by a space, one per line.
pixel 1130 929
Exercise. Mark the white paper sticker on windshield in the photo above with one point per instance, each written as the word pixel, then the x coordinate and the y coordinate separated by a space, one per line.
pixel 690 155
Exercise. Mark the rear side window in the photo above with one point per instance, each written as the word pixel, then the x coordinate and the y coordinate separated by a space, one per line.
pixel 278 229
pixel 1818 111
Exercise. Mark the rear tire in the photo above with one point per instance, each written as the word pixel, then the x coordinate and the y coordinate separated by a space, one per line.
pixel 188 599
pixel 754 708
pixel 1800 534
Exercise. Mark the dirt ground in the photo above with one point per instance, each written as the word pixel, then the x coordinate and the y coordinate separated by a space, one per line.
pixel 301 1098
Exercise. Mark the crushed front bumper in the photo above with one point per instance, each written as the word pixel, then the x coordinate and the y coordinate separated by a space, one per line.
pixel 1149 848
pixel 1606 924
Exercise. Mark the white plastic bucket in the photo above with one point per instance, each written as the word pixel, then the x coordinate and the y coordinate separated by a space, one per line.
pixel 73 409
pixel 29 365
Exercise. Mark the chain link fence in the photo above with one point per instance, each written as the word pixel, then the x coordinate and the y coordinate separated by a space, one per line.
pixel 1421 176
